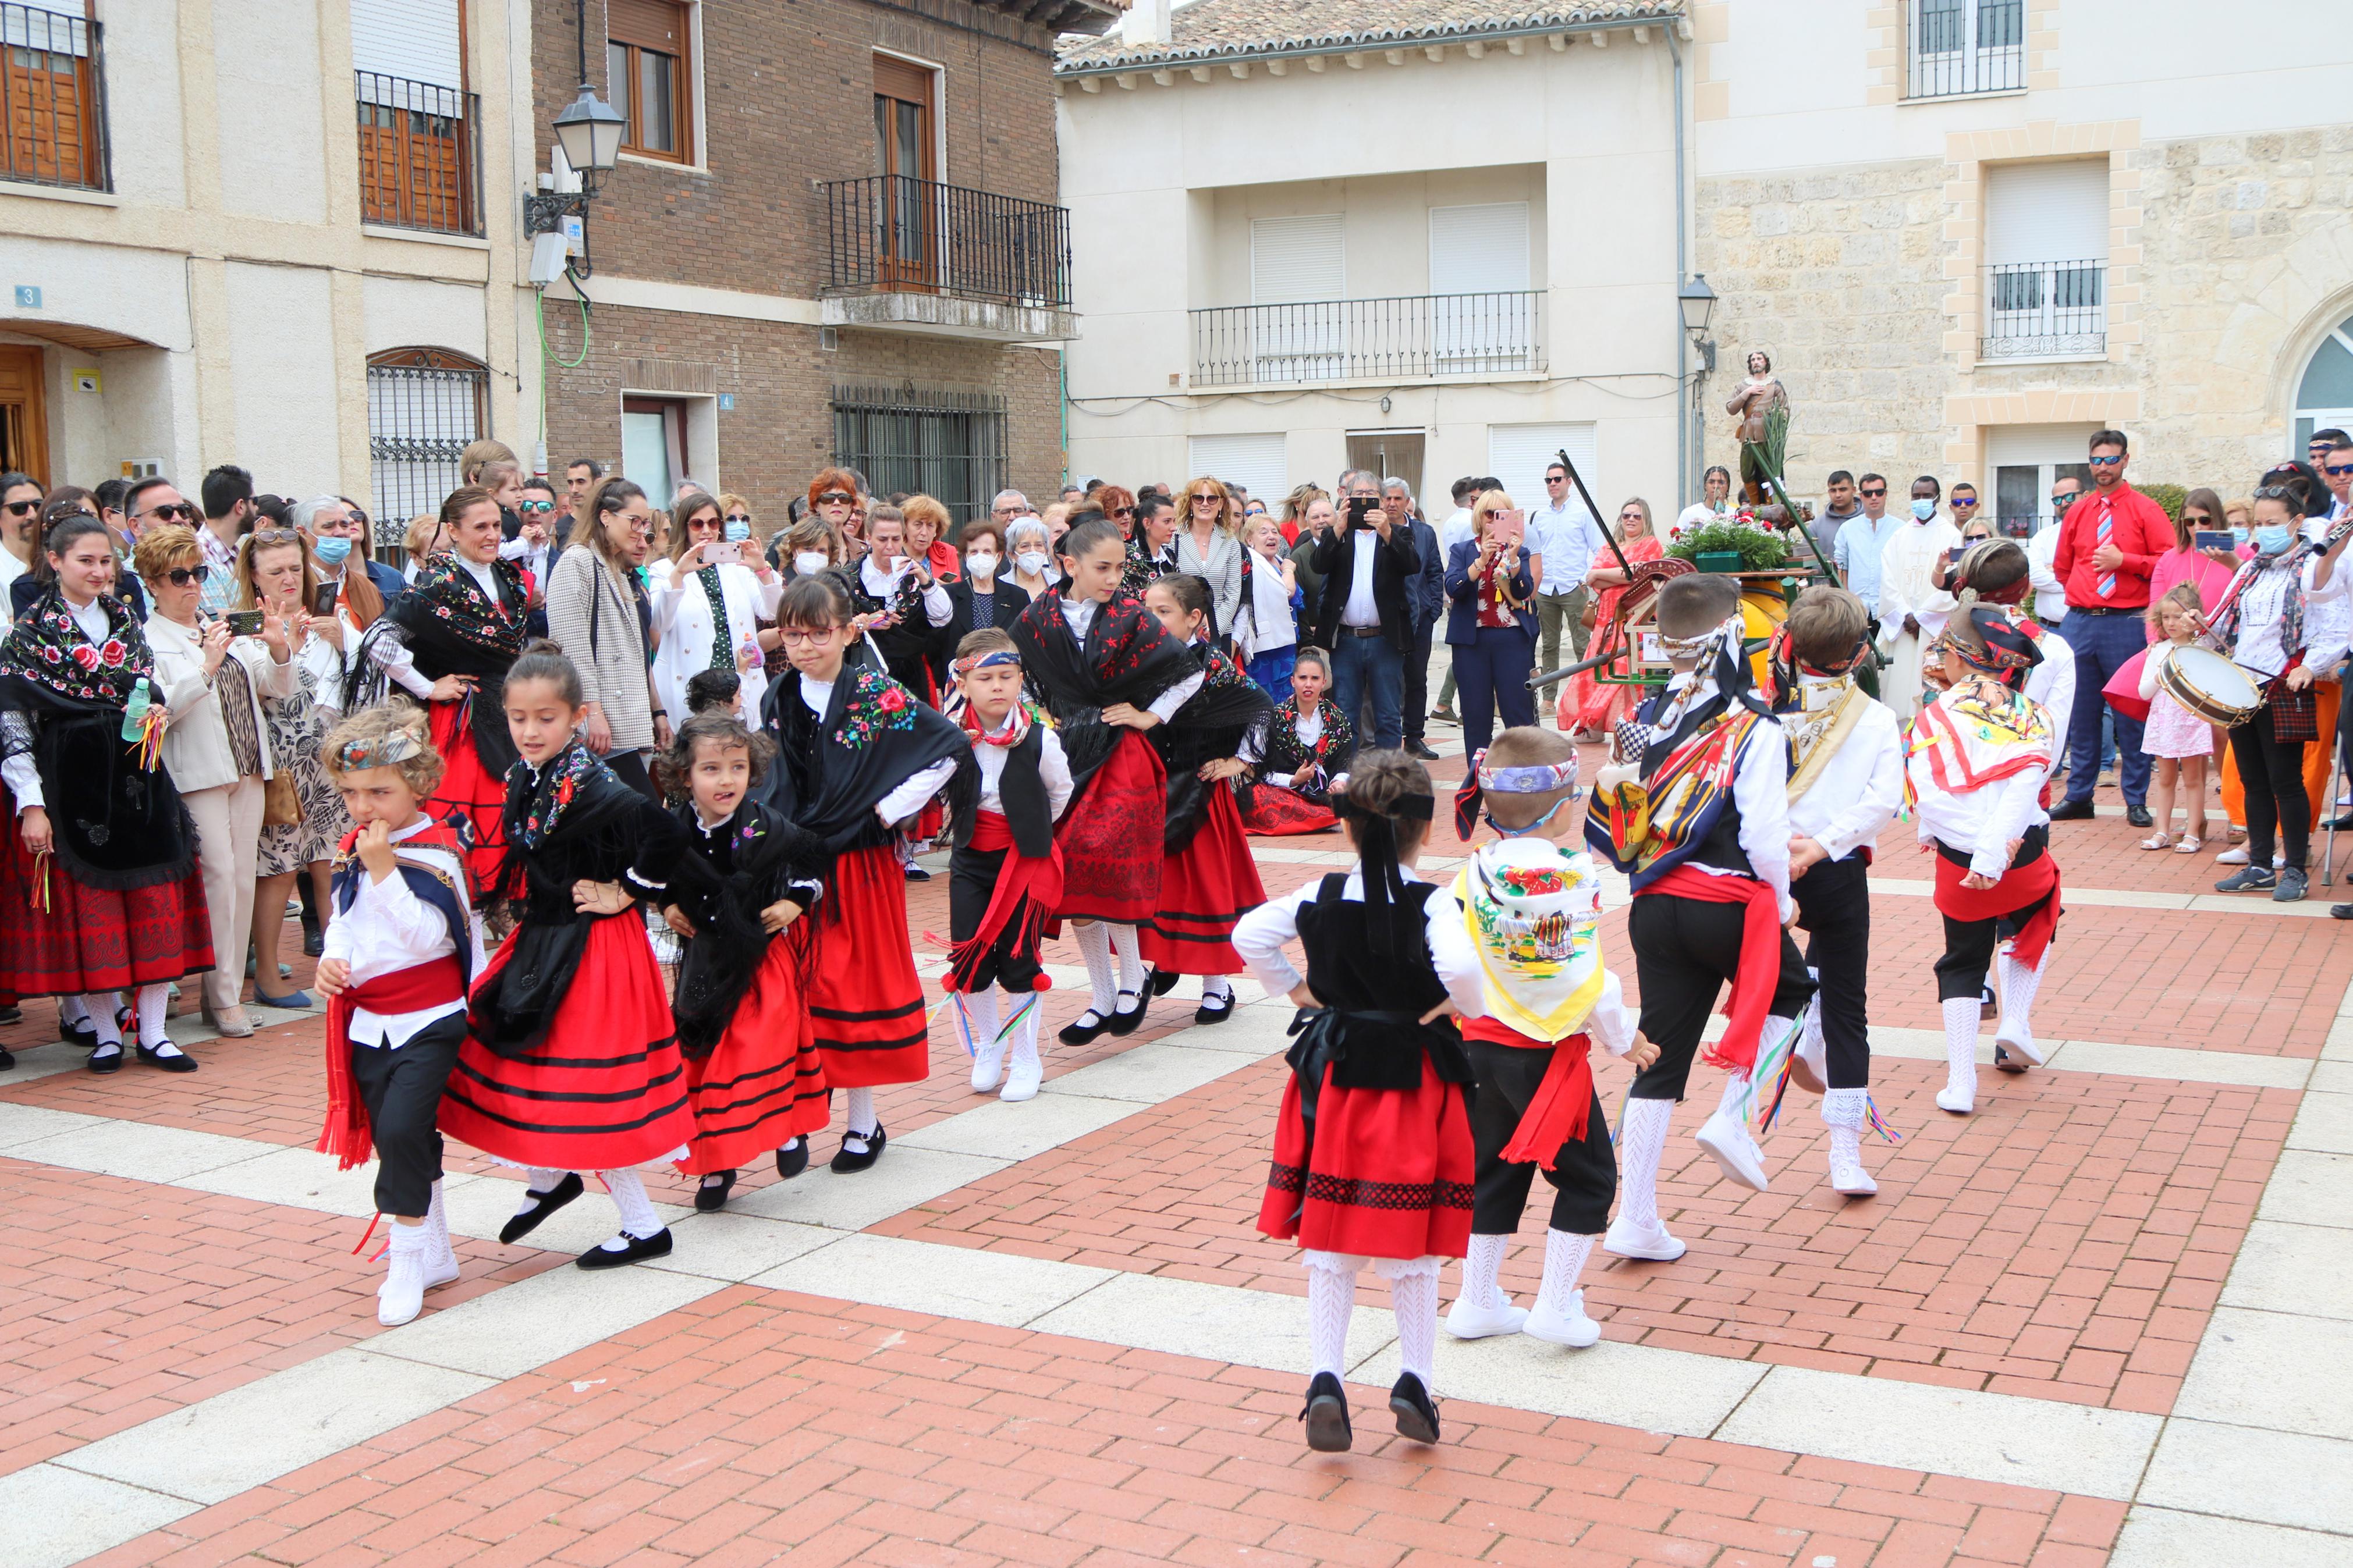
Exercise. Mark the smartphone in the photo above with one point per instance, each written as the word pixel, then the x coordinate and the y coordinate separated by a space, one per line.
pixel 1361 508
pixel 2213 539
pixel 322 599
pixel 1512 525
pixel 243 623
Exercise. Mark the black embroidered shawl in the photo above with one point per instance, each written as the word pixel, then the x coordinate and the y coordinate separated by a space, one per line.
pixel 832 773
pixel 452 628
pixel 1129 656
pixel 1209 727
pixel 721 883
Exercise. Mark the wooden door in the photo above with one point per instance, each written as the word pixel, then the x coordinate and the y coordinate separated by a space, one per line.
pixel 906 204
pixel 24 413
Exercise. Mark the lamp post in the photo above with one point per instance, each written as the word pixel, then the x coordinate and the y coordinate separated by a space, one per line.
pixel 1697 302
pixel 590 131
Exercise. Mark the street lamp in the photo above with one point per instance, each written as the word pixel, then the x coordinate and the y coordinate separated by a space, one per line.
pixel 1698 303
pixel 590 131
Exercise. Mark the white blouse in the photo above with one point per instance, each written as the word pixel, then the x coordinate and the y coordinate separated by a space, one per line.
pixel 1259 936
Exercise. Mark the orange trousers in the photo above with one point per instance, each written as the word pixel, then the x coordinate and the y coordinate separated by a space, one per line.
pixel 2319 763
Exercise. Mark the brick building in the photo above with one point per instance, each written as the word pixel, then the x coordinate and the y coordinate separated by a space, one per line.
pixel 831 235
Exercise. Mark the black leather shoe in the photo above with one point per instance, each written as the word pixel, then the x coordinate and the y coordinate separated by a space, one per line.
pixel 1079 1032
pixel 543 1205
pixel 2340 823
pixel 1416 1412
pixel 178 1061
pixel 11 1015
pixel 106 1061
pixel 1214 1009
pixel 638 1249
pixel 1420 749
pixel 314 942
pixel 2340 911
pixel 1326 1415
pixel 2138 816
pixel 7 1059
pixel 792 1162
pixel 917 874
pixel 709 1195
pixel 845 1161
pixel 2073 811
pixel 1163 980
pixel 1128 1023
pixel 84 1034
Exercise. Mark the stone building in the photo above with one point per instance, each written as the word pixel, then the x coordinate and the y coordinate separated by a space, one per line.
pixel 833 235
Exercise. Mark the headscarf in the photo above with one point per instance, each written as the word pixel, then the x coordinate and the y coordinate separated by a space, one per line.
pixel 1985 638
pixel 1535 778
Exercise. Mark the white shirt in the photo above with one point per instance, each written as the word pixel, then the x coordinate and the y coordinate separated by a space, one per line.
pixel 2043 574
pixel 1053 770
pixel 10 570
pixel 2261 605
pixel 19 772
pixel 1455 530
pixel 913 791
pixel 1904 585
pixel 1079 614
pixel 1699 514
pixel 389 929
pixel 1310 728
pixel 1858 790
pixel 2052 683
pixel 2327 615
pixel 1982 823
pixel 1259 935
pixel 1362 609
pixel 1568 539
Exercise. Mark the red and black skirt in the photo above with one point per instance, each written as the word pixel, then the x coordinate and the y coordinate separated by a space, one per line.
pixel 1206 888
pixel 605 1091
pixel 65 939
pixel 1111 837
pixel 469 789
pixel 1392 1175
pixel 763 1083
pixel 865 1002
pixel 1275 813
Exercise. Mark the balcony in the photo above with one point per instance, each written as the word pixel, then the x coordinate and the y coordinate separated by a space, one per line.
pixel 1405 337
pixel 916 255
pixel 420 161
pixel 1961 47
pixel 2046 310
pixel 53 100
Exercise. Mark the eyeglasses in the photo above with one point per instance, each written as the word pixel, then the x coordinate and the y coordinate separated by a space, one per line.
pixel 1121 511
pixel 836 497
pixel 742 517
pixel 1880 491
pixel 796 636
pixel 183 511
pixel 24 508
pixel 1211 500
pixel 1964 502
pixel 2107 462
pixel 536 506
pixel 181 577
pixel 2336 470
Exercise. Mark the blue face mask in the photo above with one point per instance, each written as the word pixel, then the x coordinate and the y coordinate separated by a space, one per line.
pixel 1924 509
pixel 2238 534
pixel 332 549
pixel 738 531
pixel 2273 540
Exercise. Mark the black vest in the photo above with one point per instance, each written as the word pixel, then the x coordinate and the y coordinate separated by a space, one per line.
pixel 1028 811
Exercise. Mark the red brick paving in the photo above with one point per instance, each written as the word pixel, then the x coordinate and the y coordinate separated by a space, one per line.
pixel 125 1300
pixel 2067 1242
pixel 758 1427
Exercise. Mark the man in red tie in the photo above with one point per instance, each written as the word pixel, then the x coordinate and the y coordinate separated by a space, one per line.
pixel 2109 543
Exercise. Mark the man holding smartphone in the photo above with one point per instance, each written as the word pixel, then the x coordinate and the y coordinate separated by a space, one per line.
pixel 1369 563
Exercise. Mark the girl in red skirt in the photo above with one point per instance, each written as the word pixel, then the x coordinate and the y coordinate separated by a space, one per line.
pixel 1208 878
pixel 1373 1155
pixel 1109 672
pixel 570 1062
pixel 858 756
pixel 105 896
pixel 753 1070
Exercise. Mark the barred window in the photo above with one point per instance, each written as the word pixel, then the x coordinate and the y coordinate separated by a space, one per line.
pixel 424 407
pixel 948 445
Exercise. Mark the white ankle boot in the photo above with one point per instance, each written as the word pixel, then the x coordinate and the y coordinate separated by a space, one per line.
pixel 1728 1142
pixel 1483 1310
pixel 1024 1072
pixel 2015 1032
pixel 1959 1094
pixel 402 1295
pixel 1844 1111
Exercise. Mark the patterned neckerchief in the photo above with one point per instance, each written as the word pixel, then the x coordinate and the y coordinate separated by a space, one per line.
pixel 48 647
pixel 552 790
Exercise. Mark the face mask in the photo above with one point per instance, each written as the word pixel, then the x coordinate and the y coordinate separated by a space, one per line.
pixel 808 563
pixel 2238 534
pixel 1924 509
pixel 332 549
pixel 738 531
pixel 1030 561
pixel 2273 540
pixel 982 565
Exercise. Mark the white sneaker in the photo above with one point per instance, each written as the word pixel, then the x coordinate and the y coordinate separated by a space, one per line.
pixel 987 1065
pixel 402 1295
pixel 1959 1096
pixel 1469 1321
pixel 2021 1041
pixel 440 1269
pixel 1848 1176
pixel 1727 1141
pixel 1021 1080
pixel 2232 856
pixel 1571 1328
pixel 1650 1241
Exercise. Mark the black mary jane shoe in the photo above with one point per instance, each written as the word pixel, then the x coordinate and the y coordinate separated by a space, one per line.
pixel 1162 981
pixel 2004 1062
pixel 7 1059
pixel 1416 1412
pixel 12 1014
pixel 845 1161
pixel 1079 1032
pixel 638 1251
pixel 1128 1023
pixel 178 1061
pixel 542 1206
pixel 1326 1415
pixel 84 1034
pixel 709 1195
pixel 1214 1009
pixel 792 1162
pixel 105 1061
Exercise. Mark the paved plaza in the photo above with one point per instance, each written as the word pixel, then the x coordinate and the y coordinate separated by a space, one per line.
pixel 2103 1321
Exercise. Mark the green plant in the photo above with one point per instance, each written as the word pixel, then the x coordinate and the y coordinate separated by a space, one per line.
pixel 1759 551
pixel 2169 497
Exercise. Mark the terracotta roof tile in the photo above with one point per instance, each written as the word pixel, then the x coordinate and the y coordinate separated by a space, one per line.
pixel 1218 29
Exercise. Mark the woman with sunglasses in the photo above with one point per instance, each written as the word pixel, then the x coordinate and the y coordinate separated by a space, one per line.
pixel 1589 705
pixel 1209 546
pixel 710 598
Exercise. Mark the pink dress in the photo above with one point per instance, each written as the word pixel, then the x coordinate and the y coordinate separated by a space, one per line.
pixel 2172 730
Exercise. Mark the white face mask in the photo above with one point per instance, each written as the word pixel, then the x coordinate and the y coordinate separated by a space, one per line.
pixel 982 565
pixel 1030 561
pixel 808 562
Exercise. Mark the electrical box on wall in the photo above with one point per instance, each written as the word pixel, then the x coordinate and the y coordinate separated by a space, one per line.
pixel 135 468
pixel 85 379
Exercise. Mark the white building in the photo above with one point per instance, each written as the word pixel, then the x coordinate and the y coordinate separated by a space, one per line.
pixel 274 233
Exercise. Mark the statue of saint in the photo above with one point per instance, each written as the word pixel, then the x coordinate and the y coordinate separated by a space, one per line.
pixel 1760 410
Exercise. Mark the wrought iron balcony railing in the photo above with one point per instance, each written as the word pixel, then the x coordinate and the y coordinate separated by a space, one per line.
pixel 420 159
pixel 895 233
pixel 1965 46
pixel 2041 309
pixel 1404 337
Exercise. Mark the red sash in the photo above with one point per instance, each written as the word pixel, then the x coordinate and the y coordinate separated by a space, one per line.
pixel 347 1135
pixel 1562 1103
pixel 2020 886
pixel 1038 880
pixel 1759 969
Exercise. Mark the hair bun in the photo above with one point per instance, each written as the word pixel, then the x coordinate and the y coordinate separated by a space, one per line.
pixel 542 645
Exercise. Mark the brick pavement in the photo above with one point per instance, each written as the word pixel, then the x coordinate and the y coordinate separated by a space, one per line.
pixel 761 1426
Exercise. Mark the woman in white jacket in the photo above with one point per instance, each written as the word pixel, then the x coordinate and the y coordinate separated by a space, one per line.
pixel 217 746
pixel 708 598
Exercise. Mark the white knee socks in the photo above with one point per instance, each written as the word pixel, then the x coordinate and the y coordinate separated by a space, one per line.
pixel 539 1183
pixel 2016 1029
pixel 1641 1143
pixel 1022 1043
pixel 1094 946
pixel 154 1002
pixel 1960 1090
pixel 1735 1087
pixel 1131 958
pixel 72 1010
pixel 1215 987
pixel 1330 1297
pixel 1479 1266
pixel 1565 1256
pixel 858 1107
pixel 100 1005
pixel 638 1216
pixel 1413 1297
pixel 976 1016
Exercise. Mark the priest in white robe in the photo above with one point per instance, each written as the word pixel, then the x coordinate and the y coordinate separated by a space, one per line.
pixel 1912 608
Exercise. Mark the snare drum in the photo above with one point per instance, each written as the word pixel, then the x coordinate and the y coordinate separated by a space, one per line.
pixel 2210 686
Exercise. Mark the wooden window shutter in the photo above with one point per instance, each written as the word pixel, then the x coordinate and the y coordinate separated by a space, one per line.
pixel 658 25
pixel 895 77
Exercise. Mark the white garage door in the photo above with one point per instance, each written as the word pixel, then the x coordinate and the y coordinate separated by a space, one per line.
pixel 1516 454
pixel 1255 462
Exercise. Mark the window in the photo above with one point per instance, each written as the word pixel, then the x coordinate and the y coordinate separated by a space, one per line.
pixel 1254 462
pixel 2324 394
pixel 650 77
pixel 1481 318
pixel 52 107
pixel 903 158
pixel 1516 454
pixel 1298 264
pixel 653 446
pixel 2026 461
pixel 424 407
pixel 415 141
pixel 949 445
pixel 2046 254
pixel 1965 46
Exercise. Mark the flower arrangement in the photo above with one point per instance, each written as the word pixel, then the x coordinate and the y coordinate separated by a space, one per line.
pixel 1759 549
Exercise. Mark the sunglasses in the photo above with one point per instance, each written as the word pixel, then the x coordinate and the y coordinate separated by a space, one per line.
pixel 834 498
pixel 276 536
pixel 1965 502
pixel 1880 491
pixel 184 512
pixel 181 577
pixel 1629 517
pixel 741 517
pixel 2337 471
pixel 2107 462
pixel 1199 500
pixel 24 508
pixel 1121 511
pixel 536 506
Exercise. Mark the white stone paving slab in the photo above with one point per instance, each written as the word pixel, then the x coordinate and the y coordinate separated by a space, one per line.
pixel 22 1125
pixel 2244 1472
pixel 139 1151
pixel 902 1179
pixel 998 1130
pixel 2325 1122
pixel 2331 1078
pixel 2281 1371
pixel 2292 1269
pixel 536 1320
pixel 734 1247
pixel 1152 1073
pixel 1217 1323
pixel 2307 1188
pixel 2164 1538
pixel 299 1178
pixel 479 1206
pixel 1626 1386
pixel 962 1282
pixel 51 1517
pixel 2237 1067
pixel 233 1442
pixel 1948 1431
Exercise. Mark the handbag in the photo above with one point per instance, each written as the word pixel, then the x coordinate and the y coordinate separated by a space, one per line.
pixel 281 802
pixel 2296 715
